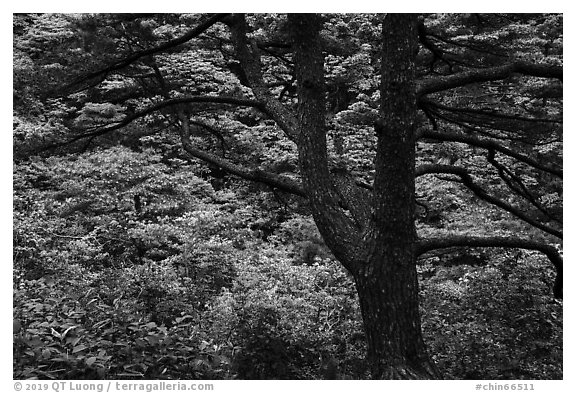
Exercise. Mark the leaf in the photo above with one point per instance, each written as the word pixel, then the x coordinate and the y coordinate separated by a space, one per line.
pixel 73 340
pixel 55 333
pixel 181 319
pixel 91 301
pixel 153 339
pixel 90 361
pixel 67 330
pixel 100 324
pixel 16 326
pixel 79 348
pixel 139 342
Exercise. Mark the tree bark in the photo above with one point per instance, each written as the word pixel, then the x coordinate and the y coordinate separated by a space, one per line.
pixel 338 230
pixel 388 293
pixel 378 246
pixel 387 282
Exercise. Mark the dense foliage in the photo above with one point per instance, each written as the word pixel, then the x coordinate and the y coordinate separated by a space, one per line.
pixel 220 289
pixel 132 259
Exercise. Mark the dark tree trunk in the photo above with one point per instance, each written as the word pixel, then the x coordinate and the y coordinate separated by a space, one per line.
pixel 388 293
pixel 386 280
pixel 373 238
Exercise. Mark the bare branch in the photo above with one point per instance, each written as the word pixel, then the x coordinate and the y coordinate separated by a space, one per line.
pixel 441 83
pixel 467 180
pixel 464 45
pixel 214 132
pixel 273 180
pixel 551 252
pixel 483 113
pixel 437 53
pixel 247 53
pixel 156 107
pixel 515 183
pixel 203 26
pixel 489 144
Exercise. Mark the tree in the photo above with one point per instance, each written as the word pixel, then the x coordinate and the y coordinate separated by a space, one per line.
pixel 428 84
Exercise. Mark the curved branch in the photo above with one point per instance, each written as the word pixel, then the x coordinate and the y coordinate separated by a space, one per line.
pixel 441 83
pixel 156 107
pixel 464 45
pixel 488 112
pixel 515 183
pixel 467 180
pixel 203 26
pixel 551 252
pixel 488 144
pixel 437 53
pixel 247 53
pixel 336 226
pixel 214 132
pixel 273 180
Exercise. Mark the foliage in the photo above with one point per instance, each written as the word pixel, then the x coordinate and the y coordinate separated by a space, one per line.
pixel 208 296
pixel 515 333
pixel 132 260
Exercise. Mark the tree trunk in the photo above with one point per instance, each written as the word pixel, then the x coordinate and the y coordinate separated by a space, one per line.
pixel 374 239
pixel 386 280
pixel 388 293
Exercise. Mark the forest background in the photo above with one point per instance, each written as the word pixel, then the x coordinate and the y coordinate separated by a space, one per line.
pixel 256 351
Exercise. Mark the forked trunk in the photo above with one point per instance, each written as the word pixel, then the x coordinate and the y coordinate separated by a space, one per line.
pixel 372 236
pixel 386 279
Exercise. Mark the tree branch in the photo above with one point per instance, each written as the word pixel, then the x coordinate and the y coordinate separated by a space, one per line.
pixel 467 180
pixel 214 132
pixel 441 83
pixel 273 180
pixel 486 113
pixel 515 183
pixel 337 228
pixel 247 53
pixel 553 255
pixel 203 26
pixel 488 144
pixel 462 45
pixel 156 107
pixel 437 53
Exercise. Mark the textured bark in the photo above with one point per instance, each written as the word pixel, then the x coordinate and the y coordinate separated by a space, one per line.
pixel 373 237
pixel 337 228
pixel 388 293
pixel 387 282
